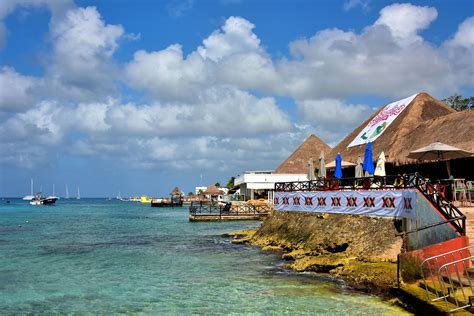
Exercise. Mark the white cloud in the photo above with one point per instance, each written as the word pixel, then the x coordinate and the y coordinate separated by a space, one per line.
pixel 83 48
pixel 16 90
pixel 460 52
pixel 235 37
pixel 464 36
pixel 166 74
pixel 405 20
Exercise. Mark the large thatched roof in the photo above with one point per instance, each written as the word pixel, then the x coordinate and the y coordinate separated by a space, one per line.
pixel 455 129
pixel 420 124
pixel 298 160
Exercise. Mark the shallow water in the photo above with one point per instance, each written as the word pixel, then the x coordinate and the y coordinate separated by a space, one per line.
pixel 98 256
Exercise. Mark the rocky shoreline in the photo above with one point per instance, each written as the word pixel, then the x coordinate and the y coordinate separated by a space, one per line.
pixel 360 250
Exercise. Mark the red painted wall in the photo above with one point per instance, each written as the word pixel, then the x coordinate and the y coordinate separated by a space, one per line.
pixel 440 248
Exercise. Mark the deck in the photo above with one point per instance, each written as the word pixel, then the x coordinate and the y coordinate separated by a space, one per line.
pixel 208 212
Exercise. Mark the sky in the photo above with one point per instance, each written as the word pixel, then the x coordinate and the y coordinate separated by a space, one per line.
pixel 141 96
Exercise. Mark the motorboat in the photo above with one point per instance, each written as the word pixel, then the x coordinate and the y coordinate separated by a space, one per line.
pixel 39 199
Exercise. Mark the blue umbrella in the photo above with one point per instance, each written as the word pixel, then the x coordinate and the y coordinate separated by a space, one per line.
pixel 368 165
pixel 338 170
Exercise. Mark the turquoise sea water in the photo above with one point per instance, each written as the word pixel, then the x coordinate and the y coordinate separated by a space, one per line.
pixel 94 256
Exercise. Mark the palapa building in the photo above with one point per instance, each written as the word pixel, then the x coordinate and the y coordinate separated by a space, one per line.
pixel 423 121
pixel 396 129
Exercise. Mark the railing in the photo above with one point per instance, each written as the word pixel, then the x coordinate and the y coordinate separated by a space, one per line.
pixel 392 182
pixel 365 183
pixel 449 277
pixel 228 209
pixel 445 207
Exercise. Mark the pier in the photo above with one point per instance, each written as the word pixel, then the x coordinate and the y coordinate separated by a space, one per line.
pixel 213 211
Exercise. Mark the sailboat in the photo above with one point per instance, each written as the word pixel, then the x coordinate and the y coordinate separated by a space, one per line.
pixel 54 193
pixel 78 194
pixel 31 196
pixel 67 192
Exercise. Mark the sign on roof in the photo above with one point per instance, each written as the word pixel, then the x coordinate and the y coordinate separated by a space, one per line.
pixel 381 121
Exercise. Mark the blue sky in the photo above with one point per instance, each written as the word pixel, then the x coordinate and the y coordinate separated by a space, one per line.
pixel 142 96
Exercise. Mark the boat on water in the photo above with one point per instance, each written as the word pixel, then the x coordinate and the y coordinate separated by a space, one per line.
pixel 54 194
pixel 31 196
pixel 145 199
pixel 39 199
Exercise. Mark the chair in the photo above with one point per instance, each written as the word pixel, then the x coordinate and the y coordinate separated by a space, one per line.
pixel 461 190
pixel 470 190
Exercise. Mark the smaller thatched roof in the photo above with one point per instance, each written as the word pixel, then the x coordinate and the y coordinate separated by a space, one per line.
pixel 212 190
pixel 297 162
pixel 177 191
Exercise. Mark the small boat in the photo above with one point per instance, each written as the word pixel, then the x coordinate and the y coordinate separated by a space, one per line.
pixel 145 199
pixel 39 199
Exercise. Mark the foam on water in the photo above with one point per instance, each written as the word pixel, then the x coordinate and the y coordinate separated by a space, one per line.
pixel 98 256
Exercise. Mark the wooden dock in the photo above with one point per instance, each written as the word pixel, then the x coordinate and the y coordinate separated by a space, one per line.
pixel 209 212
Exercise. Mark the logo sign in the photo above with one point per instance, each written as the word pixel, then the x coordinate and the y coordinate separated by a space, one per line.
pixel 381 121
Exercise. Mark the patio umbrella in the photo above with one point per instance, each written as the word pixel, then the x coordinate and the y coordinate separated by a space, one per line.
pixel 368 165
pixel 439 151
pixel 338 170
pixel 322 166
pixel 380 168
pixel 311 170
pixel 359 172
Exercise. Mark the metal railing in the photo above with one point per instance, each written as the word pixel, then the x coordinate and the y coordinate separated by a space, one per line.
pixel 365 183
pixel 447 280
pixel 228 209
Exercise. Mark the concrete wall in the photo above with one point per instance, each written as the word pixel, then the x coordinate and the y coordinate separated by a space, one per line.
pixel 426 214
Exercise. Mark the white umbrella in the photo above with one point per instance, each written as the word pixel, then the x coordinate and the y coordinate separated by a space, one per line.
pixel 439 151
pixel 311 170
pixel 359 172
pixel 322 166
pixel 380 167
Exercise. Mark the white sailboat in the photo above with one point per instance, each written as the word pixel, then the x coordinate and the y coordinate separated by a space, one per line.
pixel 54 193
pixel 31 196
pixel 78 194
pixel 67 192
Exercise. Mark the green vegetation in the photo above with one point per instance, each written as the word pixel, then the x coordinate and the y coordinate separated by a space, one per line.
pixel 459 103
pixel 230 183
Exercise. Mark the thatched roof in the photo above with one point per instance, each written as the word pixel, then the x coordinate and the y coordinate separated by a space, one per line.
pixel 177 191
pixel 409 131
pixel 213 190
pixel 298 160
pixel 455 129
